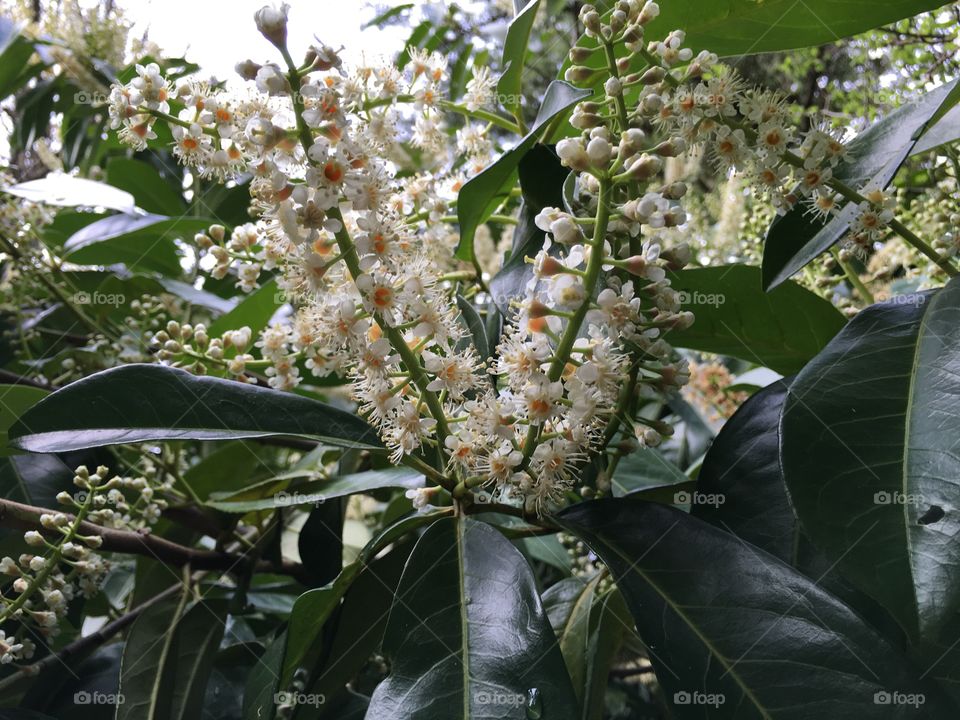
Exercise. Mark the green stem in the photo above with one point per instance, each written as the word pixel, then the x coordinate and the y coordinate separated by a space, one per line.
pixel 352 260
pixel 478 114
pixel 853 277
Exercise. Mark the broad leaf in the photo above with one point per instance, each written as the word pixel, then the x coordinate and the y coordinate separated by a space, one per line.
pixel 138 241
pixel 146 652
pixel 541 184
pixel 796 238
pixel 150 191
pixel 480 196
pixel 316 493
pixel 467 636
pixel 314 607
pixel 782 329
pixel 746 27
pixel 14 401
pixel 868 446
pixel 728 625
pixel 590 625
pixel 137 403
pixel 69 191
pixel 509 87
pixel 195 641
pixel 254 311
pixel 644 470
pixel 740 487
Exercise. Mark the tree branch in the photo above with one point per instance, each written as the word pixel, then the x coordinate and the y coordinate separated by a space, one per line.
pixel 14 514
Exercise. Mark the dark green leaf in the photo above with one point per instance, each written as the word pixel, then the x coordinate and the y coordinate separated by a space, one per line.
pixel 474 641
pixel 481 194
pixel 137 403
pixel 745 27
pixel 254 311
pixel 796 238
pixel 509 87
pixel 782 329
pixel 541 183
pixel 732 631
pixel 868 438
pixel 190 661
pixel 138 241
pixel 322 490
pixel 263 682
pixel 643 470
pixel 740 487
pixel 145 693
pixel 14 401
pixel 140 179
pixel 475 324
pixel 590 625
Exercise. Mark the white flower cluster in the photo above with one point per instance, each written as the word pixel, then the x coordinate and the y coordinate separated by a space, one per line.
pixel 45 583
pixel 374 303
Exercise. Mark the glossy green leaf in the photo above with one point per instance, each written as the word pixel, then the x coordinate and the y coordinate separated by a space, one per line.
pixel 151 192
pixel 14 401
pixel 15 52
pixel 590 625
pixel 480 196
pixel 473 641
pixel 318 492
pixel 645 469
pixel 138 241
pixel 745 27
pixel 541 184
pixel 263 682
pixel 782 329
pixel 796 238
pixel 70 191
pixel 477 330
pixel 149 646
pixel 313 608
pixel 136 403
pixel 740 487
pixel 732 631
pixel 195 641
pixel 254 311
pixel 509 86
pixel 868 437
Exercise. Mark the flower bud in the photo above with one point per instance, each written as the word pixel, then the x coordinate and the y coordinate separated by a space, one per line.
pixel 247 69
pixel 645 167
pixel 272 24
pixel 580 55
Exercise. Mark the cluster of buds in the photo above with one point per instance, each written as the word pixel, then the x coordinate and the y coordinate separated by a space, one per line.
pixel 243 252
pixel 130 503
pixel 64 567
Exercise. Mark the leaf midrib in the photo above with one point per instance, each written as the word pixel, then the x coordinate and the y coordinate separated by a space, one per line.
pixel 693 627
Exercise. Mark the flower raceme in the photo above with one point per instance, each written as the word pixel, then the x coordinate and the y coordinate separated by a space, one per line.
pixel 366 263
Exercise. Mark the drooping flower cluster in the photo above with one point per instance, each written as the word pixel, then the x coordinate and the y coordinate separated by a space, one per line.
pixel 368 278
